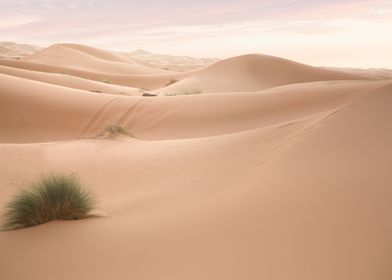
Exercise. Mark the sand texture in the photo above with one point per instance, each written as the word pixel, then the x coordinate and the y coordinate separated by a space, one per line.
pixel 252 167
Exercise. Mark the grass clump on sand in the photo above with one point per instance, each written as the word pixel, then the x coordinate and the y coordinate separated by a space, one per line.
pixel 53 197
pixel 112 130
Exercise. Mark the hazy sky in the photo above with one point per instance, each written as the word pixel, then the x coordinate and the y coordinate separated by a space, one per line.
pixel 318 32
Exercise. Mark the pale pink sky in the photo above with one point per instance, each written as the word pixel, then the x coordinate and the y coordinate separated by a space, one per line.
pixel 329 33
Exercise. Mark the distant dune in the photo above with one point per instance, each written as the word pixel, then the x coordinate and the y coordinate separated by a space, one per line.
pixel 375 73
pixel 250 73
pixel 69 81
pixel 13 50
pixel 252 167
pixel 90 59
pixel 171 62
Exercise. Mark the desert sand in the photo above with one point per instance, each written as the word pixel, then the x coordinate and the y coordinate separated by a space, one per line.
pixel 252 167
pixel 13 50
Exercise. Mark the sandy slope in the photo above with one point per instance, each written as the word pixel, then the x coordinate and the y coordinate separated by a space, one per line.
pixel 250 73
pixel 82 114
pixel 171 62
pixel 287 182
pixel 95 64
pixel 372 73
pixel 241 218
pixel 243 73
pixel 69 81
pixel 16 51
pixel 152 81
pixel 90 59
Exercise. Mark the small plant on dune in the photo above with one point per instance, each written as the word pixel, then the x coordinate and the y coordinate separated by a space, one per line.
pixel 171 82
pixel 112 130
pixel 53 197
pixel 106 81
pixel 196 91
pixel 97 91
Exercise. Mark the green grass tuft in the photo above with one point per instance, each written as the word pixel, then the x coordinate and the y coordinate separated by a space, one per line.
pixel 53 197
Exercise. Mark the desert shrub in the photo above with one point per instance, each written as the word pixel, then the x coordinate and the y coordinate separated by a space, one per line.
pixel 106 81
pixel 112 130
pixel 196 91
pixel 149 94
pixel 53 197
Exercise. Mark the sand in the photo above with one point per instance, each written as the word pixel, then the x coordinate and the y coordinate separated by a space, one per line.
pixel 171 62
pixel 13 50
pixel 255 167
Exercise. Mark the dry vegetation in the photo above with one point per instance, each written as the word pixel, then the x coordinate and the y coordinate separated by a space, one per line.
pixel 53 197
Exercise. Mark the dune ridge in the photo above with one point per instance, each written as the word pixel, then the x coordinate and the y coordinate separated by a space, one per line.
pixel 90 59
pixel 253 72
pixel 69 81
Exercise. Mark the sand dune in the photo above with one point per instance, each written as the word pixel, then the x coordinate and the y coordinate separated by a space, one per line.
pixel 244 73
pixel 90 59
pixel 159 118
pixel 280 172
pixel 137 81
pixel 250 73
pixel 372 73
pixel 240 218
pixel 171 62
pixel 13 50
pixel 69 81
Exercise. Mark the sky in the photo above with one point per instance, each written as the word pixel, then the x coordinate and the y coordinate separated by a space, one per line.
pixel 317 32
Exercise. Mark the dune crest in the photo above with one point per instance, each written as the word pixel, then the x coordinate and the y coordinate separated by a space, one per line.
pixel 90 59
pixel 253 72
